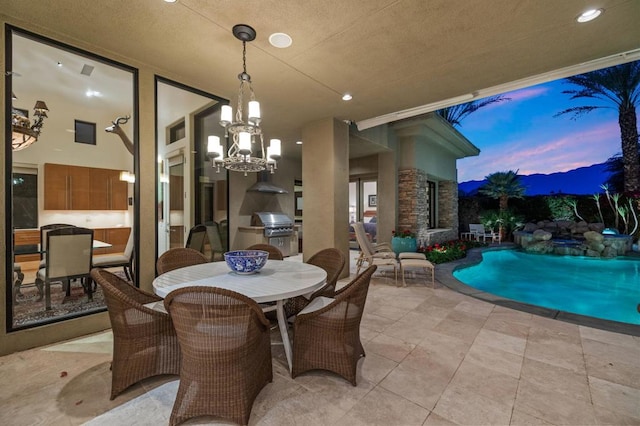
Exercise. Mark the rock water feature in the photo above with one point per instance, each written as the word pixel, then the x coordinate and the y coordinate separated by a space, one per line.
pixel 590 244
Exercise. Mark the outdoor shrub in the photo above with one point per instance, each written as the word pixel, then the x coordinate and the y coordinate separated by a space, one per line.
pixel 560 207
pixel 449 251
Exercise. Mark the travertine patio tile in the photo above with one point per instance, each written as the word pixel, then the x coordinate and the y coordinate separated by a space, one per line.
pixel 610 351
pixel 389 347
pixel 543 328
pixel 390 312
pixel 616 372
pixel 622 399
pixel 437 312
pixel 511 315
pixel 437 362
pixel 561 355
pixel 436 420
pixel 518 418
pixel 554 407
pixel 411 332
pixel 497 386
pixel 375 322
pixel 464 407
pixel 305 408
pixel 505 342
pixel 475 307
pixel 367 334
pixel 384 408
pixel 607 416
pixel 495 359
pixel 333 388
pixel 557 379
pixel 505 326
pixel 373 368
pixel 419 386
pixel 617 339
pixel 463 330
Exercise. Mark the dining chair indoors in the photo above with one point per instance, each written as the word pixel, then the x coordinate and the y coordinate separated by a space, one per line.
pixel 326 333
pixel 196 238
pixel 274 252
pixel 333 262
pixel 124 260
pixel 179 257
pixel 68 257
pixel 144 340
pixel 43 238
pixel 226 353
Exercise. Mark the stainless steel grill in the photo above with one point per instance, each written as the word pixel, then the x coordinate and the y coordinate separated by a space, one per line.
pixel 275 224
pixel 278 229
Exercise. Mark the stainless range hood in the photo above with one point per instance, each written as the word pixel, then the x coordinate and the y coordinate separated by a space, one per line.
pixel 265 185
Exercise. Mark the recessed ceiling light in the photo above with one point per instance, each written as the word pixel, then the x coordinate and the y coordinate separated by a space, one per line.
pixel 92 93
pixel 59 64
pixel 298 142
pixel 280 40
pixel 170 1
pixel 347 97
pixel 589 15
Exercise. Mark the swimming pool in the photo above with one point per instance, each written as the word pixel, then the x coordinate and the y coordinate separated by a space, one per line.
pixel 605 289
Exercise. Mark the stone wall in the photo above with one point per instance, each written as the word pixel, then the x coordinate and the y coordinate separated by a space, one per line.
pixel 448 205
pixel 592 244
pixel 413 201
pixel 413 207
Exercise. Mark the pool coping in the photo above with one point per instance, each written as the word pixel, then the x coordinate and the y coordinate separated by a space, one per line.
pixel 444 274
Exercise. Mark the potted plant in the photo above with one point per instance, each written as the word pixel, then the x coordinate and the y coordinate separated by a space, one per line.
pixel 404 241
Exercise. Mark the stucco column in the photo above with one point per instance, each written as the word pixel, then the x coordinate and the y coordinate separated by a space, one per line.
pixel 325 183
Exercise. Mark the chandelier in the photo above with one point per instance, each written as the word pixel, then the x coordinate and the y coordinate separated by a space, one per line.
pixel 243 131
pixel 23 132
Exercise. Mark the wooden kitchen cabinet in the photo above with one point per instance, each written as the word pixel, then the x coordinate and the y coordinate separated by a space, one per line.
pixel 83 188
pixel 108 192
pixel 66 187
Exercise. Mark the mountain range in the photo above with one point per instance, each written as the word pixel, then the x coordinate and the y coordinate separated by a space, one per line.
pixel 580 181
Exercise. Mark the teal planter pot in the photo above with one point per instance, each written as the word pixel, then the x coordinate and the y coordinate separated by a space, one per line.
pixel 403 245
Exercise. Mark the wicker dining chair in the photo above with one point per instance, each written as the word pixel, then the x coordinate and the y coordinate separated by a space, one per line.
pixel 144 340
pixel 226 353
pixel 333 262
pixel 274 252
pixel 326 334
pixel 179 257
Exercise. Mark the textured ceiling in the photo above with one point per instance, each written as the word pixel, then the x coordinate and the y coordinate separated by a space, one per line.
pixel 390 54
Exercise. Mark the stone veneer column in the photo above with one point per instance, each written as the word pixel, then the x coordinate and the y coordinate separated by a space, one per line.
pixel 448 205
pixel 325 183
pixel 413 201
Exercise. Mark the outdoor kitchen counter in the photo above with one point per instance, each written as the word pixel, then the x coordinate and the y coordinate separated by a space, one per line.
pixel 250 235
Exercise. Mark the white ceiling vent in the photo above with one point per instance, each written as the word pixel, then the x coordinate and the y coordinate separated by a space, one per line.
pixel 86 70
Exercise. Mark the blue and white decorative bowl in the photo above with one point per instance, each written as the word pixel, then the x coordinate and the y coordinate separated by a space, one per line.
pixel 246 261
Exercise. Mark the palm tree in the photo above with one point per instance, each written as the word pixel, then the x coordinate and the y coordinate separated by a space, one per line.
pixel 618 85
pixel 502 186
pixel 456 113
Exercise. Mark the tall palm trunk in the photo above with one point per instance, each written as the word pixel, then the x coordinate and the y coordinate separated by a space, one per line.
pixel 504 203
pixel 630 155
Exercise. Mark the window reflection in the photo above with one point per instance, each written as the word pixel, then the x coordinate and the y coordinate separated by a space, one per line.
pixel 65 178
pixel 190 192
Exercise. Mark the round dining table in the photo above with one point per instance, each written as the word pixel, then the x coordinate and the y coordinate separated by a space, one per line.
pixel 277 281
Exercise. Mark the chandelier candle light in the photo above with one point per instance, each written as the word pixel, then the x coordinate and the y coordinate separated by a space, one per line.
pixel 23 133
pixel 242 132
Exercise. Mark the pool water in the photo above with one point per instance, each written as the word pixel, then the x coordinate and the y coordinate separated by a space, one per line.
pixel 606 289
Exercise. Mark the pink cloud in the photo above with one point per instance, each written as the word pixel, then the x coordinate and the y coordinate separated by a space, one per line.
pixel 531 92
pixel 530 155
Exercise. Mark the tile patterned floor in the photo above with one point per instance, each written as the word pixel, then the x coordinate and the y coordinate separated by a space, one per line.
pixel 434 357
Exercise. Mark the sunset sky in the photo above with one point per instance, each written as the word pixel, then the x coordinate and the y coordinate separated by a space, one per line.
pixel 523 134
